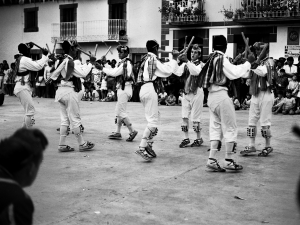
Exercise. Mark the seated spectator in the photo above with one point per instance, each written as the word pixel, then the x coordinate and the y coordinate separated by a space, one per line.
pixel 113 63
pixel 236 103
pixel 180 97
pixel 246 103
pixel 171 100
pixel 95 94
pixel 288 105
pixel 293 86
pixel 20 158
pixel 87 95
pixel 278 102
pixel 162 97
pixel 281 82
pixel 109 97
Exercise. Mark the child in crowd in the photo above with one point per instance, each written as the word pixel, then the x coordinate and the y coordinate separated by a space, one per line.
pixel 171 100
pixel 278 102
pixel 95 94
pixel 103 87
pixel 281 82
pixel 287 105
pixel 87 95
pixel 293 86
pixel 110 96
pixel 236 103
pixel 162 97
pixel 180 97
pixel 246 102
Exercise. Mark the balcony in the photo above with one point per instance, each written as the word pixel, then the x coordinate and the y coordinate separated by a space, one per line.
pixel 186 12
pixel 90 31
pixel 266 11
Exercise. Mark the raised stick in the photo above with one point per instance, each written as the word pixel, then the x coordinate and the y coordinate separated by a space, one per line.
pixel 48 48
pixel 185 51
pixel 96 48
pixel 185 42
pixel 54 46
pixel 246 42
pixel 37 45
pixel 262 53
pixel 108 50
pixel 79 49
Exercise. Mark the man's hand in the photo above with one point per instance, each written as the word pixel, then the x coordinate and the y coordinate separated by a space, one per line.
pixel 45 51
pixel 175 54
pixel 248 81
pixel 92 58
pixel 52 57
pixel 103 59
pixel 251 58
pixel 183 58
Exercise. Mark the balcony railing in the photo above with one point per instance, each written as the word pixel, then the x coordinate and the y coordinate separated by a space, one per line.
pixel 90 31
pixel 183 12
pixel 266 10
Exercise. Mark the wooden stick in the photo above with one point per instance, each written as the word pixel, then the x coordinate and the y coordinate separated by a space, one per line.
pixel 246 43
pixel 109 48
pixel 107 51
pixel 37 45
pixel 48 48
pixel 189 45
pixel 246 52
pixel 54 46
pixel 185 42
pixel 96 48
pixel 262 53
pixel 163 51
pixel 79 49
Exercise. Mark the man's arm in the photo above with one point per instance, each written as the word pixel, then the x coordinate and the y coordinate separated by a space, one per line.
pixel 165 70
pixel 81 70
pixel 28 64
pixel 194 70
pixel 236 71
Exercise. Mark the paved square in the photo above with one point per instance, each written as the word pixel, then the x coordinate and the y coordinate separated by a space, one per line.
pixel 112 185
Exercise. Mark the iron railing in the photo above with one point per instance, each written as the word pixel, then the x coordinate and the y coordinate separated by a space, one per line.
pixel 90 31
pixel 249 9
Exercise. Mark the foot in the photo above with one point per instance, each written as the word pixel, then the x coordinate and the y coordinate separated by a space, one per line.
pixel 143 153
pixel 65 148
pixel 230 164
pixel 150 151
pixel 214 166
pixel 115 135
pixel 184 143
pixel 248 150
pixel 197 143
pixel 132 136
pixel 87 146
pixel 266 151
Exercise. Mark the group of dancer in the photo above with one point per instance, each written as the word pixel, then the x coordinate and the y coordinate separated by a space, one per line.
pixel 216 75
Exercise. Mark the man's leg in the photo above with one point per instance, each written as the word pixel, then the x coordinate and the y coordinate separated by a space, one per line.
pixel 28 105
pixel 186 112
pixel 196 111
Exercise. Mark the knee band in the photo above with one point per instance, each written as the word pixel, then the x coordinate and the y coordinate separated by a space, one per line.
pixel 266 132
pixel 153 132
pixel 251 131
pixel 80 127
pixel 184 128
pixel 29 121
pixel 234 147
pixel 126 122
pixel 196 127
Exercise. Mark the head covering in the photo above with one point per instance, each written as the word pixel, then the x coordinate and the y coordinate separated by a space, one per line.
pixel 122 48
pixel 151 44
pixel 66 45
pixel 282 59
pixel 290 59
pixel 196 47
pixel 24 48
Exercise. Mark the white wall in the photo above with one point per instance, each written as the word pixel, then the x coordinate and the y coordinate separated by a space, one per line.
pixel 213 8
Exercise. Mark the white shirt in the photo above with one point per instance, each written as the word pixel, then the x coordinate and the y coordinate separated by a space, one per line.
pixel 163 70
pixel 288 69
pixel 194 70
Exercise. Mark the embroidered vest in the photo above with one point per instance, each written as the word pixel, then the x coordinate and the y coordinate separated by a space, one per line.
pixel 191 83
pixel 122 79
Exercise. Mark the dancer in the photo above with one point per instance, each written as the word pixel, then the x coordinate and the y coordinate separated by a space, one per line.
pixel 71 70
pixel 25 80
pixel 192 101
pixel 216 75
pixel 261 82
pixel 125 78
pixel 149 74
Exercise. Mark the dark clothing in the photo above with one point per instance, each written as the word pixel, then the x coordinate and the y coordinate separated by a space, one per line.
pixel 1 99
pixel 16 207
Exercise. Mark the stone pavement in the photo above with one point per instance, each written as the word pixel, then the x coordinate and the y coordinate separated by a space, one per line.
pixel 112 185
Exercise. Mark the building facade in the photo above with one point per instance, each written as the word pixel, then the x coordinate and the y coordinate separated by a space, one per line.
pixel 90 22
pixel 272 21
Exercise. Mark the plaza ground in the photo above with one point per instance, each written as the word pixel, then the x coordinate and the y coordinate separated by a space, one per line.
pixel 112 185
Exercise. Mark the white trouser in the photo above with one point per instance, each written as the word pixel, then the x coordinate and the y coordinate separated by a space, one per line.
pixel 261 109
pixel 222 117
pixel 149 99
pixel 192 105
pixel 123 97
pixel 69 110
pixel 27 102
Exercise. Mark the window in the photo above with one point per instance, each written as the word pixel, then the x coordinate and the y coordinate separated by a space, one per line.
pixel 31 19
pixel 117 9
pixel 68 18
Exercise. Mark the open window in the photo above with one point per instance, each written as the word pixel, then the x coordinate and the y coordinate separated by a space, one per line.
pixel 31 19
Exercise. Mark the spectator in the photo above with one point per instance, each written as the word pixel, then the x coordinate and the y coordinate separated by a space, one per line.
pixel 246 103
pixel 97 80
pixel 180 97
pixel 293 86
pixel 2 93
pixel 11 79
pixel 103 87
pixel 110 96
pixel 162 97
pixel 40 84
pixel 298 67
pixel 20 158
pixel 5 77
pixel 95 94
pixel 288 105
pixel 290 69
pixel 278 102
pixel 87 95
pixel 5 65
pixel 49 87
pixel 236 103
pixel 281 82
pixel 171 100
